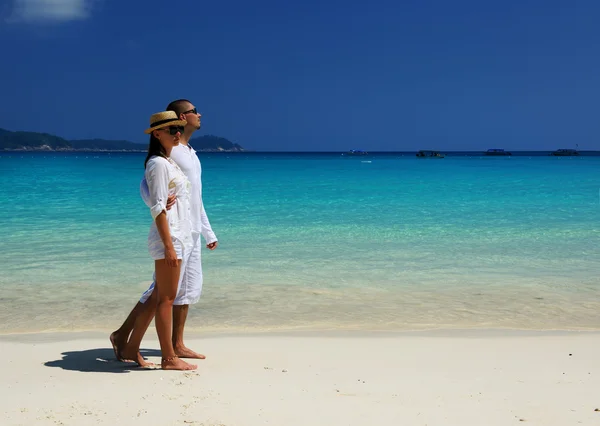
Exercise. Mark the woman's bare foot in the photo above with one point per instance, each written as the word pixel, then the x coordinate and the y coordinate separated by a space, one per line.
pixel 174 363
pixel 136 357
pixel 183 352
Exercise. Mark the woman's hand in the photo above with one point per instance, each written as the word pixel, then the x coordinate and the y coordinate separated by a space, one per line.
pixel 170 256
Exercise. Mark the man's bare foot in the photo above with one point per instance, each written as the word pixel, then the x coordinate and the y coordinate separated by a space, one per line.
pixel 137 358
pixel 183 352
pixel 116 343
pixel 174 363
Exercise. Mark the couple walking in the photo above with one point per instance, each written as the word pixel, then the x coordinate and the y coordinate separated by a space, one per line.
pixel 172 189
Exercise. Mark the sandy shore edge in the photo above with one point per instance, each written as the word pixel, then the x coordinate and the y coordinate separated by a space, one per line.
pixel 434 377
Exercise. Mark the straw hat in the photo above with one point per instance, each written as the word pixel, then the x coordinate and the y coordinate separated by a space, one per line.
pixel 164 119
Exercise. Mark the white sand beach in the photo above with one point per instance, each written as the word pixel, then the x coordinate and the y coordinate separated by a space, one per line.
pixel 329 378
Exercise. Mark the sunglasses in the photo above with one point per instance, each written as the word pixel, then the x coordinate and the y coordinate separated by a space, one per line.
pixel 192 111
pixel 173 130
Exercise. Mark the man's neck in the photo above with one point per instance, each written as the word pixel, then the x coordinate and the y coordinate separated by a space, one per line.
pixel 184 139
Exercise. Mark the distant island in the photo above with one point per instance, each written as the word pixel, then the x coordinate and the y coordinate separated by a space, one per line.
pixel 32 141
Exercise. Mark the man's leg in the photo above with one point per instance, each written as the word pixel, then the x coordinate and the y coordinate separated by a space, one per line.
pixel 179 316
pixel 189 292
pixel 131 351
pixel 119 338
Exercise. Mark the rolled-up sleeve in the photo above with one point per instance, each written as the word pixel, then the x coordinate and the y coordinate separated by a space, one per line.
pixel 157 177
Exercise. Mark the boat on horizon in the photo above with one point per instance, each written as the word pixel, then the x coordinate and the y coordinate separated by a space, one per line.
pixel 356 152
pixel 565 152
pixel 497 152
pixel 430 153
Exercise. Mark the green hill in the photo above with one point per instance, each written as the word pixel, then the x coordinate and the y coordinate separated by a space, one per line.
pixel 24 140
pixel 106 145
pixel 214 143
pixel 32 141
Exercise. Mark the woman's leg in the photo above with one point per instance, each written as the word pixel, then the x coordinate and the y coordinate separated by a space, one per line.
pixel 167 279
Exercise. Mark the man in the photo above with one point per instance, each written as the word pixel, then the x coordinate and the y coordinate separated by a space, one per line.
pixel 190 284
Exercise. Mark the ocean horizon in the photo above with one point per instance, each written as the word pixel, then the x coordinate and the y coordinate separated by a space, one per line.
pixel 143 148
pixel 313 241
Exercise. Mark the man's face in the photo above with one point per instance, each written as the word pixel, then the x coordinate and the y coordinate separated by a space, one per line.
pixel 192 116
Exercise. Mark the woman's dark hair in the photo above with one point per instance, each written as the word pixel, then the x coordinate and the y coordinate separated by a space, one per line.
pixel 154 148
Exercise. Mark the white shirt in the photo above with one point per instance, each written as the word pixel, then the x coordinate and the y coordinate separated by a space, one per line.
pixel 186 158
pixel 165 178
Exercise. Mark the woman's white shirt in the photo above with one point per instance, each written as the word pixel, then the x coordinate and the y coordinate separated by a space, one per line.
pixel 165 178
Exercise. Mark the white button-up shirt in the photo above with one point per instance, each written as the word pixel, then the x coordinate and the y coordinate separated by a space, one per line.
pixel 165 178
pixel 186 158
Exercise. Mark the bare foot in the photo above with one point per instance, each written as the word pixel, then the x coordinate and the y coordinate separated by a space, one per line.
pixel 183 352
pixel 137 358
pixel 116 343
pixel 174 363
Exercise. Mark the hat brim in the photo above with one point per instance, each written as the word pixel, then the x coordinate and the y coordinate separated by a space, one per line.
pixel 167 124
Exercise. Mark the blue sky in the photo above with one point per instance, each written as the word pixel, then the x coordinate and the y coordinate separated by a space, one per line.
pixel 311 75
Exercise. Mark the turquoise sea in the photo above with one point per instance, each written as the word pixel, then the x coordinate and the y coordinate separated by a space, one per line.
pixel 312 241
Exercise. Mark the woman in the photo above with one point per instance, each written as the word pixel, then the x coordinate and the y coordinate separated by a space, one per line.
pixel 170 237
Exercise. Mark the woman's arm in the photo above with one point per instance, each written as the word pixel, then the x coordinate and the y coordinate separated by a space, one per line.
pixel 157 177
pixel 165 235
pixel 145 193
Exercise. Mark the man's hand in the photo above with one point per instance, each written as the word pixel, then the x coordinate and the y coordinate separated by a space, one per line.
pixel 172 199
pixel 212 245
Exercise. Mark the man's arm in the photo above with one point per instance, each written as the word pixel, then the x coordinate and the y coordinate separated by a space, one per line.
pixel 207 232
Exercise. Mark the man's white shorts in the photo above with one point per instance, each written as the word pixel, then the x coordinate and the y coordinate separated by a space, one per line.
pixel 190 279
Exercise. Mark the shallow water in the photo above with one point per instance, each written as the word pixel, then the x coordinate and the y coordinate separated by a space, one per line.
pixel 312 242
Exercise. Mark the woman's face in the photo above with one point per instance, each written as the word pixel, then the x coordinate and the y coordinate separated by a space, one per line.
pixel 169 136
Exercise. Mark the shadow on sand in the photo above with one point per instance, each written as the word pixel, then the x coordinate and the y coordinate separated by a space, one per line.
pixel 98 361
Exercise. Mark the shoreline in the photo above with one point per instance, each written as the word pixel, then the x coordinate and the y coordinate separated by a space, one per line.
pixel 471 333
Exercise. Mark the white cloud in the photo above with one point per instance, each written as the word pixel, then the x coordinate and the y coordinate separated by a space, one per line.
pixel 50 10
